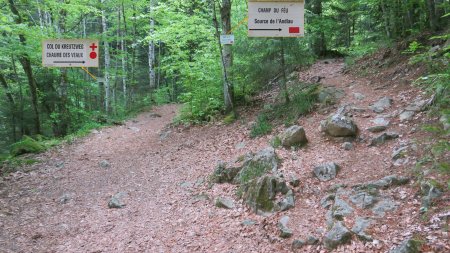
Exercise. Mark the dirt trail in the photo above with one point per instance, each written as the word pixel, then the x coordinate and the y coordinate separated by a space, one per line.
pixel 61 205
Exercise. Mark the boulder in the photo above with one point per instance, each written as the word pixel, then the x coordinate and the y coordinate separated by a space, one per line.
pixel 293 136
pixel 358 96
pixel 381 105
pixel 363 199
pixel 338 235
pixel 259 194
pixel 222 174
pixel 285 232
pixel 383 138
pixel 376 129
pixel 406 115
pixel 326 172
pixel 255 165
pixel 341 208
pixel 384 205
pixel 360 227
pixel 224 203
pixel 384 183
pixel 339 125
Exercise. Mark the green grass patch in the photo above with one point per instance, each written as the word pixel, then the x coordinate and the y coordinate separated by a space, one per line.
pixel 25 146
pixel 261 127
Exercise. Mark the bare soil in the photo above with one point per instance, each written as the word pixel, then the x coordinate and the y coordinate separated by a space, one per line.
pixel 61 204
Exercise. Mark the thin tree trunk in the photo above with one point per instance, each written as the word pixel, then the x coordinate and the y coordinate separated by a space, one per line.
pixel 151 49
pixel 432 18
pixel 26 65
pixel 12 104
pixel 225 53
pixel 123 54
pixel 107 61
pixel 283 71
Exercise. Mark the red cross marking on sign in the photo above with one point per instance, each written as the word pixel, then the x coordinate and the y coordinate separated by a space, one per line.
pixel 93 46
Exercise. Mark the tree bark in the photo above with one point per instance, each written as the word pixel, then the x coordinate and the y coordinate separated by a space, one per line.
pixel 318 44
pixel 227 56
pixel 24 60
pixel 12 103
pixel 432 17
pixel 151 49
pixel 107 61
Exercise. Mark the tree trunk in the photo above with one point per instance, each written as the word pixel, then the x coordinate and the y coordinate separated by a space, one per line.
pixel 124 54
pixel 26 65
pixel 283 72
pixel 107 61
pixel 318 45
pixel 432 18
pixel 151 49
pixel 226 55
pixel 12 103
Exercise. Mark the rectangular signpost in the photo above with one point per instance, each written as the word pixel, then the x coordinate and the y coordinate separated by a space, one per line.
pixel 70 53
pixel 276 18
pixel 227 39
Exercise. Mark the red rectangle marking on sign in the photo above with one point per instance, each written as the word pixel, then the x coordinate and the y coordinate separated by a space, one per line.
pixel 294 29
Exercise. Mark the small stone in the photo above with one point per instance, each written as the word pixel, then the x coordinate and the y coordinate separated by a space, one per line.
pixel 407 246
pixel 294 182
pixel 347 146
pixel 288 202
pixel 377 129
pixel 338 235
pixel 224 203
pixel 298 244
pixel 326 172
pixel 383 138
pixel 406 115
pixel 248 222
pixel 358 96
pixel 311 240
pixel 399 153
pixel 115 201
pixel 65 198
pixel 382 104
pixel 285 232
pixel 381 122
pixel 104 164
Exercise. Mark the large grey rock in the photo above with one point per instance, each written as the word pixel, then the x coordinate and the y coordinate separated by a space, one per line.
pixel 293 136
pixel 384 183
pixel 384 205
pixel 298 244
pixel 224 203
pixel 330 95
pixel 380 121
pixel 326 172
pixel 341 208
pixel 222 174
pixel 260 193
pixel 363 199
pixel 382 104
pixel 256 165
pixel 338 235
pixel 285 232
pixel 339 125
pixel 407 246
pixel 327 201
pixel 360 227
pixel 383 138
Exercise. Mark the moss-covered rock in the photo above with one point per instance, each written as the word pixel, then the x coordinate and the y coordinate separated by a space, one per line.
pixel 260 193
pixel 25 146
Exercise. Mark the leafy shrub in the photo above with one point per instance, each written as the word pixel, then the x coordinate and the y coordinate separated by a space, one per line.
pixel 25 146
pixel 261 127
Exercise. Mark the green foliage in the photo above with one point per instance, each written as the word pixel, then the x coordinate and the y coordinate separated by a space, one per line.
pixel 25 146
pixel 230 118
pixel 414 47
pixel 261 127
pixel 275 142
pixel 162 95
pixel 250 172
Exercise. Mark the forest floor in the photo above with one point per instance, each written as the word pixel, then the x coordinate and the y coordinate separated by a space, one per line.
pixel 161 174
